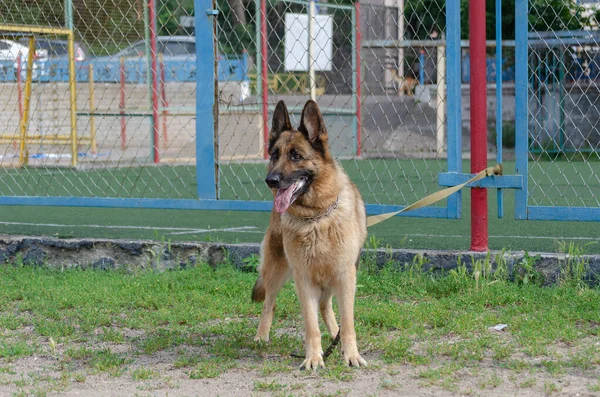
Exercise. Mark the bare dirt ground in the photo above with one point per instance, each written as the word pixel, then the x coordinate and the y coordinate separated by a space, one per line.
pixel 51 375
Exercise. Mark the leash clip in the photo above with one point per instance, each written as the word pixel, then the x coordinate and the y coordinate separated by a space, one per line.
pixel 498 169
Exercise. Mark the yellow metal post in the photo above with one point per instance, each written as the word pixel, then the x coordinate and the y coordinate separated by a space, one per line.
pixel 94 147
pixel 23 152
pixel 34 29
pixel 73 99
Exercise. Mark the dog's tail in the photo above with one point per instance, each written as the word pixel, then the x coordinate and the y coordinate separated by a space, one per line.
pixel 258 292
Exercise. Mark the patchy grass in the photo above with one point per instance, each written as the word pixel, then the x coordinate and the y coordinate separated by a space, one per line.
pixel 201 322
pixel 107 361
pixel 210 368
pixel 143 374
pixel 271 386
pixel 13 349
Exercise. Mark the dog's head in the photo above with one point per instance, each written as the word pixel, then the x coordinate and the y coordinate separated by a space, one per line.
pixel 297 155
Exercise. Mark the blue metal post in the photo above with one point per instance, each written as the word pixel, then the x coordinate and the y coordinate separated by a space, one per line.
pixel 69 15
pixel 206 177
pixel 499 194
pixel 521 105
pixel 453 80
pixel 422 67
pixel 245 62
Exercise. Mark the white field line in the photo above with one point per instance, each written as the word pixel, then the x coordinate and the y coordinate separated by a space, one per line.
pixel 241 229
pixel 517 237
pixel 254 229
pixel 176 230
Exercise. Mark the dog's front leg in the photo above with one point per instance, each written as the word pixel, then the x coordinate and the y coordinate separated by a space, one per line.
pixel 273 275
pixel 309 296
pixel 345 292
pixel 274 272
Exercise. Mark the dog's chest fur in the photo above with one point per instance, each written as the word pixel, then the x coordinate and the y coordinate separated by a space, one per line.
pixel 323 249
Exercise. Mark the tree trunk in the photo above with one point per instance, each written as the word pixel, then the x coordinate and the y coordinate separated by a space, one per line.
pixel 238 12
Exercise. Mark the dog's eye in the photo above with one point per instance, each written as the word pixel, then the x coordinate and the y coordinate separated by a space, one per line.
pixel 275 157
pixel 296 156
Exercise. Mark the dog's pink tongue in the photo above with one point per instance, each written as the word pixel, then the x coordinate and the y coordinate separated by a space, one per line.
pixel 283 199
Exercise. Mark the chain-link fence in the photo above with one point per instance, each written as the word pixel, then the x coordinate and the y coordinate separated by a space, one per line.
pixel 564 104
pixel 133 110
pixel 377 69
pixel 135 126
pixel 385 124
pixel 278 47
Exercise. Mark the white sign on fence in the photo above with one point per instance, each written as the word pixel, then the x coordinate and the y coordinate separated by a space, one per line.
pixel 187 21
pixel 296 42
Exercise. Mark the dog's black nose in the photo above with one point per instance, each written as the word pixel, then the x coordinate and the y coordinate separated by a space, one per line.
pixel 273 180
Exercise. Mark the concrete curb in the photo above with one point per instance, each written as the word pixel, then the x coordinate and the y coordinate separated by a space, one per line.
pixel 131 255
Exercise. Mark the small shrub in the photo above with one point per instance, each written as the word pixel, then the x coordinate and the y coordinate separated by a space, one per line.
pixel 508 134
pixel 575 266
pixel 250 264
pixel 525 272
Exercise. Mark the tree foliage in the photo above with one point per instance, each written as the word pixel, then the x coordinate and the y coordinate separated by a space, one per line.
pixel 169 12
pixel 424 16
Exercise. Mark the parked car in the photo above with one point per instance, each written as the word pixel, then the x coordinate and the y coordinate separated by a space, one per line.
pixel 179 57
pixel 174 47
pixel 12 51
pixel 49 49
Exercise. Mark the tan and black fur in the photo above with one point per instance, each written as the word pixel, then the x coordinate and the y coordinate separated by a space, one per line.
pixel 319 252
pixel 406 85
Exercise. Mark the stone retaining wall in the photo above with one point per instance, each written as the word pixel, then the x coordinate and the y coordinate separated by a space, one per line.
pixel 136 255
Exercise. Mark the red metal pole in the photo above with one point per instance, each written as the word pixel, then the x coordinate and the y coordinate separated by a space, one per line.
pixel 164 103
pixel 122 105
pixel 154 77
pixel 358 83
pixel 20 92
pixel 264 71
pixel 479 209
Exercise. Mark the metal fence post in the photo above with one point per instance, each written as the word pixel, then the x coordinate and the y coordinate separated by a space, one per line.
pixel 357 76
pixel 154 77
pixel 206 171
pixel 499 194
pixel 453 80
pixel 263 71
pixel 311 49
pixel 479 209
pixel 521 103
pixel 422 66
pixel 441 97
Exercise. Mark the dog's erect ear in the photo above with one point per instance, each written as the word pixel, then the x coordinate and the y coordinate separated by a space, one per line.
pixel 281 122
pixel 312 124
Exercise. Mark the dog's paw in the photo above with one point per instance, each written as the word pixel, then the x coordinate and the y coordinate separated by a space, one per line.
pixel 313 363
pixel 261 338
pixel 354 360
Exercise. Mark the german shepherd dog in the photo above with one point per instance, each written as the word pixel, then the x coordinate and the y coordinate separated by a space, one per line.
pixel 317 228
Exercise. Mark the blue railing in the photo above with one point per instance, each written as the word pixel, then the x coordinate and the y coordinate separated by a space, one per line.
pixel 108 70
pixel 508 72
